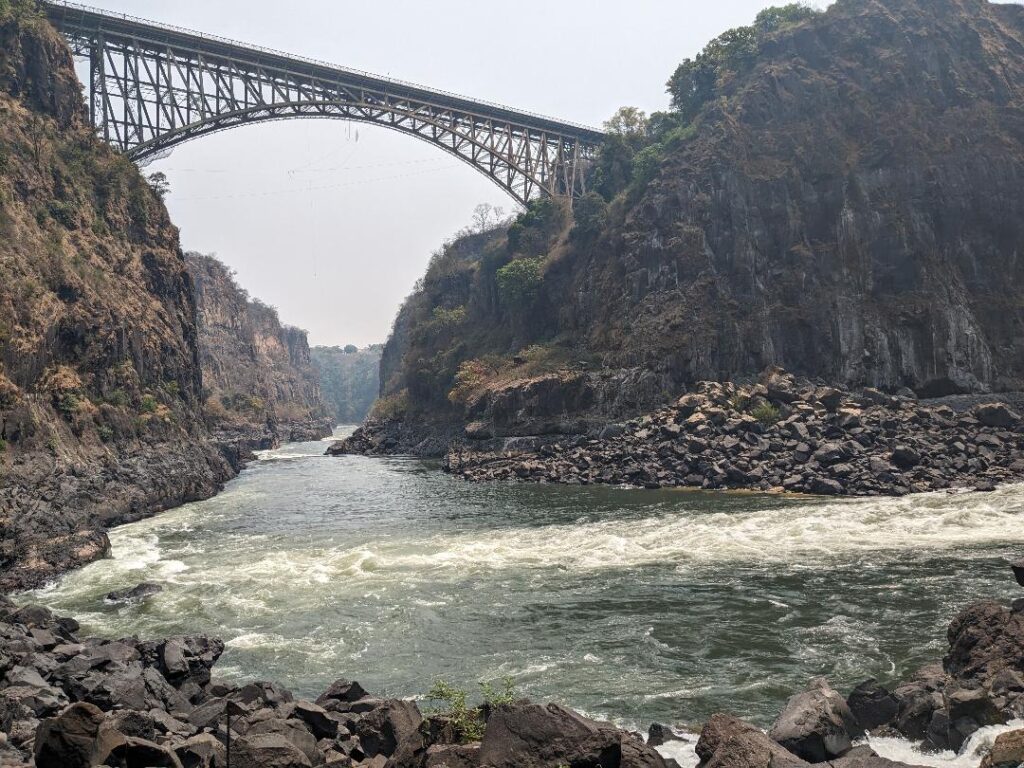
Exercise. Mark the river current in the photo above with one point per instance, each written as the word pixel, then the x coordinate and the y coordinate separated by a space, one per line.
pixel 631 605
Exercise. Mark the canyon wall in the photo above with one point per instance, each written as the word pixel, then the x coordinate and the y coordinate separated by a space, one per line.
pixel 835 193
pixel 259 383
pixel 100 386
pixel 349 380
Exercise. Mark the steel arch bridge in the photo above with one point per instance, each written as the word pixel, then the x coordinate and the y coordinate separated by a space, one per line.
pixel 153 87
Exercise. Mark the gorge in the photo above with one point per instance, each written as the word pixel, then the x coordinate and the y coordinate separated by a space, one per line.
pixel 799 283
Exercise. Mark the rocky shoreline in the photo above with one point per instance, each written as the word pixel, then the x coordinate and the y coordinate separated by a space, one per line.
pixel 72 702
pixel 777 434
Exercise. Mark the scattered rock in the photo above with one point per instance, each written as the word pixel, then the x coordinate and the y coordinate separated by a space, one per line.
pixel 727 742
pixel 996 415
pixel 816 725
pixel 872 706
pixel 134 594
pixel 1007 751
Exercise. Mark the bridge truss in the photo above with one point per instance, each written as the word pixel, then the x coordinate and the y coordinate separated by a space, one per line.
pixel 153 87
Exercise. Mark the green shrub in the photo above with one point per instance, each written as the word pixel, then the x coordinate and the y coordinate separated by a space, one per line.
pixel 444 318
pixel 105 432
pixel 519 281
pixel 466 721
pixel 118 398
pixel 496 697
pixel 148 404
pixel 67 403
pixel 63 213
pixel 767 414
pixel 3 445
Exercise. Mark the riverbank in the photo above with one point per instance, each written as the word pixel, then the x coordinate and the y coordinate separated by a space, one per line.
pixel 57 509
pixel 74 701
pixel 780 434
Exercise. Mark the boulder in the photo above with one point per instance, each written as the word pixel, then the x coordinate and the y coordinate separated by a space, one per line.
pixel 202 751
pixel 1018 571
pixel 865 757
pixel 452 756
pixel 267 750
pixel 872 706
pixel 69 741
pixel 726 742
pixel 997 415
pixel 659 734
pixel 905 457
pixel 1007 751
pixel 392 730
pixel 134 594
pixel 525 735
pixel 138 752
pixel 316 719
pixel 984 639
pixel 292 730
pixel 815 725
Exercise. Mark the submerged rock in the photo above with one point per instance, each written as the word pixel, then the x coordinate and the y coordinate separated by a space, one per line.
pixel 134 594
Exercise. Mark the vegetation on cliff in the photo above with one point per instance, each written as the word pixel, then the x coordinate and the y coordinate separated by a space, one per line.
pixel 98 355
pixel 835 192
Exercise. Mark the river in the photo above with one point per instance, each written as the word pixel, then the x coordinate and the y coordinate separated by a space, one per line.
pixel 632 605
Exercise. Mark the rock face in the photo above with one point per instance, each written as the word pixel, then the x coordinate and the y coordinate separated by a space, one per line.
pixel 68 701
pixel 778 434
pixel 823 214
pixel 349 380
pixel 816 725
pixel 100 388
pixel 258 375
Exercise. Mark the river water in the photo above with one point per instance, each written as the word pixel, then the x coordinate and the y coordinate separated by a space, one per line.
pixel 627 604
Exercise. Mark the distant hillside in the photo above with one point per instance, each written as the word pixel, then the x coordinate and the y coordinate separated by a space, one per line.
pixel 258 377
pixel 836 193
pixel 349 380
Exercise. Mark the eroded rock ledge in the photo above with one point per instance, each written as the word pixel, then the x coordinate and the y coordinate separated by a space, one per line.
pixel 778 434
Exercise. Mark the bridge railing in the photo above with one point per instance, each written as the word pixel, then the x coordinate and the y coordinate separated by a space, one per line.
pixel 304 59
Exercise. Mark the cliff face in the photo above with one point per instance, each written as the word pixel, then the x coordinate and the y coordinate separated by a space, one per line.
pixel 349 380
pixel 847 206
pixel 100 398
pixel 850 208
pixel 258 375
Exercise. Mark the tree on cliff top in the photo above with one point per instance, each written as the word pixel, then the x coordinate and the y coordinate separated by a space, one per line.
pixel 695 82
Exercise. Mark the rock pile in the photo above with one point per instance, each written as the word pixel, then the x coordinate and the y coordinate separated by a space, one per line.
pixel 779 434
pixel 67 702
pixel 979 683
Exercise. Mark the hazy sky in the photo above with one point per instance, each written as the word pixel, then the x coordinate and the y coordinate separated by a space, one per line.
pixel 332 222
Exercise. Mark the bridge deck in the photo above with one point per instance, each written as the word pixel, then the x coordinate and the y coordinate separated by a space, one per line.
pixel 72 18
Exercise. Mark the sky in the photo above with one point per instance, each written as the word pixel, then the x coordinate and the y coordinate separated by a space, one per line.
pixel 332 222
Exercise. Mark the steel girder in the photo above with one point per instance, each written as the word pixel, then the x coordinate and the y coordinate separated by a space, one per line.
pixel 153 87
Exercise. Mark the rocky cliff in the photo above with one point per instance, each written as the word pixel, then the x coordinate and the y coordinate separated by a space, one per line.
pixel 349 380
pixel 100 389
pixel 259 383
pixel 835 193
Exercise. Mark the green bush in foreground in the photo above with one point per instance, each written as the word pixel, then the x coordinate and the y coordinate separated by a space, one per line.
pixel 468 722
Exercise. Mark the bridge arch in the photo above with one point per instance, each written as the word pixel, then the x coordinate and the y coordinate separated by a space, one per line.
pixel 153 87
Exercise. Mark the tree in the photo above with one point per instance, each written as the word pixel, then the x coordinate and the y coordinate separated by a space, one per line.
pixel 159 184
pixel 771 19
pixel 351 349
pixel 695 82
pixel 486 216
pixel 629 122
pixel 519 281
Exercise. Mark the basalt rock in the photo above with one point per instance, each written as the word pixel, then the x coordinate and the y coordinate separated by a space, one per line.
pixel 816 725
pixel 726 435
pixel 727 742
pixel 528 735
pixel 134 594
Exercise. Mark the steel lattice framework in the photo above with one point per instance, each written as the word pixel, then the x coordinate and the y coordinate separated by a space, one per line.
pixel 153 86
